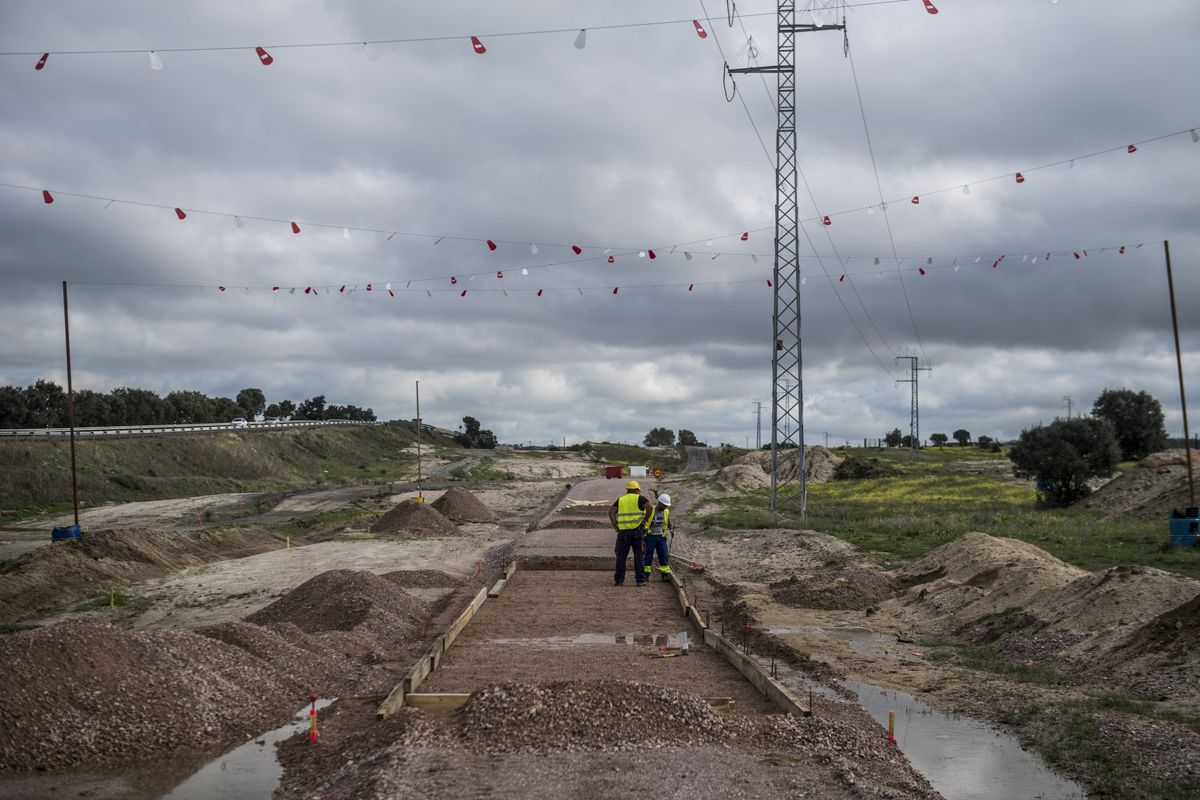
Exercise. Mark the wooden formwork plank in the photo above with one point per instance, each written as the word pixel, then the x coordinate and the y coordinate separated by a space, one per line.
pixel 694 614
pixel 456 627
pixel 498 588
pixel 392 703
pixel 512 570
pixel 772 689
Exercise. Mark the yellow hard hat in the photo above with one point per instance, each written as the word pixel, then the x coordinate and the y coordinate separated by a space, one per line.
pixel 632 485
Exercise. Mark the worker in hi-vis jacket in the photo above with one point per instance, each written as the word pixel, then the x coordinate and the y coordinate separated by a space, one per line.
pixel 628 516
pixel 657 529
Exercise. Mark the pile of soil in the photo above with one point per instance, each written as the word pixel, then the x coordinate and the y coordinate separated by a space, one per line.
pixel 850 590
pixel 87 692
pixel 1161 659
pixel 1147 492
pixel 291 651
pixel 75 569
pixel 417 518
pixel 975 576
pixel 421 578
pixel 460 505
pixel 741 477
pixel 819 463
pixel 857 468
pixel 570 715
pixel 377 611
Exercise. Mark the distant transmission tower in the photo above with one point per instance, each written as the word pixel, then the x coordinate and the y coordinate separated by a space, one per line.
pixel 758 425
pixel 1068 402
pixel 914 420
pixel 787 361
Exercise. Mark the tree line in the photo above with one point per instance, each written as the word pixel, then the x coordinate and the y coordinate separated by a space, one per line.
pixel 665 437
pixel 44 405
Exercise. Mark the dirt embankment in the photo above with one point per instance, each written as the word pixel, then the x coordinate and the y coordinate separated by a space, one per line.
pixel 84 693
pixel 753 470
pixel 1149 491
pixel 75 569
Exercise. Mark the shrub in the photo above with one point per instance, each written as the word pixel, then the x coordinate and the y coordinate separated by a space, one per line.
pixel 1064 455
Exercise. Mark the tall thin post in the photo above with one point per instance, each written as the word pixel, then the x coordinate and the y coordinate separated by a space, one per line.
pixel 1187 439
pixel 420 496
pixel 71 406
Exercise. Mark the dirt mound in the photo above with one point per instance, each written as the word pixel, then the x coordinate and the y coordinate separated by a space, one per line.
pixel 421 578
pixel 413 517
pixel 857 468
pixel 593 715
pixel 1161 659
pixel 819 463
pixel 288 649
pixel 74 569
pixel 85 692
pixel 344 600
pixel 460 505
pixel 975 576
pixel 741 477
pixel 1148 492
pixel 851 590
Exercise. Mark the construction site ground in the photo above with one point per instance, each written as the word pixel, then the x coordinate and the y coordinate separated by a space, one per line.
pixel 567 696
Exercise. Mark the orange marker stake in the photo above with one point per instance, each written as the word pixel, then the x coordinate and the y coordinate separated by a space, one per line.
pixel 312 715
pixel 891 726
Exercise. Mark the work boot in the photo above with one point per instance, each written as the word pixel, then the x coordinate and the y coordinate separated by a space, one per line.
pixel 642 583
pixel 666 578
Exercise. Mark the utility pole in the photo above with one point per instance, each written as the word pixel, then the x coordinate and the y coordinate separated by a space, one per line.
pixel 1068 402
pixel 758 425
pixel 914 419
pixel 826 440
pixel 787 357
pixel 420 496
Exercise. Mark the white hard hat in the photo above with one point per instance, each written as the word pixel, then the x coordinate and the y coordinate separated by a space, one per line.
pixel 664 499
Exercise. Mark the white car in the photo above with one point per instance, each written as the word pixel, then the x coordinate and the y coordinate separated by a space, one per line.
pixel 272 421
pixel 239 422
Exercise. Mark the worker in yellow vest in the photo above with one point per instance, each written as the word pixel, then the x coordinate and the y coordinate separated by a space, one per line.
pixel 657 529
pixel 628 516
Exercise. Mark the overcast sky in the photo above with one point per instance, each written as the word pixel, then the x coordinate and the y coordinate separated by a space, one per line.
pixel 625 144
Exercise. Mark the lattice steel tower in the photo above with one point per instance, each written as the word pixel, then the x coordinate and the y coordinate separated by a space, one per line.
pixel 787 390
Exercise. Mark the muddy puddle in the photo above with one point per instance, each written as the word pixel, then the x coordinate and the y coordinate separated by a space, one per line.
pixel 863 641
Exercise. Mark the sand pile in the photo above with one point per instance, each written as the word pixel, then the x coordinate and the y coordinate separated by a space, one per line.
pixel 1149 491
pixel 1161 659
pixel 460 505
pixel 974 576
pixel 412 517
pixel 376 612
pixel 858 468
pixel 741 477
pixel 85 692
pixel 850 589
pixel 303 658
pixel 569 715
pixel 819 463
pixel 75 569
pixel 421 578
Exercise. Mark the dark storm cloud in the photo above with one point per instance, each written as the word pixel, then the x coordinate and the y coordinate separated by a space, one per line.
pixel 629 144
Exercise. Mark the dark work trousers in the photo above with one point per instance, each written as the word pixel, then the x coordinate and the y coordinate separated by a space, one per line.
pixel 656 544
pixel 626 541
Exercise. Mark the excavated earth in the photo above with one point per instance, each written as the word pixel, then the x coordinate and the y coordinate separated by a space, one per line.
pixel 1149 491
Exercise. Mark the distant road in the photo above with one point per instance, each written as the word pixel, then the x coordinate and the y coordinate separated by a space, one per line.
pixel 127 431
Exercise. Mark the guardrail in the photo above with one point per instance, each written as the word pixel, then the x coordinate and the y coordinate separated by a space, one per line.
pixel 127 431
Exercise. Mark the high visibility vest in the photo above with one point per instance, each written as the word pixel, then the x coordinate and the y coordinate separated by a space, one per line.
pixel 659 523
pixel 629 516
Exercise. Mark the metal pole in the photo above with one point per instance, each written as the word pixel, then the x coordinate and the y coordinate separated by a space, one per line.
pixel 71 406
pixel 1187 441
pixel 420 496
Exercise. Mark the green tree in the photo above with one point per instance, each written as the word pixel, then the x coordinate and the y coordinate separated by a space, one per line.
pixel 312 408
pixel 190 407
pixel 1137 419
pixel 47 405
pixel 14 411
pixel 1064 455
pixel 963 437
pixel 474 436
pixel 138 407
pixel 252 402
pixel 894 438
pixel 659 437
pixel 286 409
pixel 687 438
pixel 92 409
pixel 939 438
pixel 984 442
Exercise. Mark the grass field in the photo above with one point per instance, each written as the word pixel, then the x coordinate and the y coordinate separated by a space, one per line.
pixel 934 500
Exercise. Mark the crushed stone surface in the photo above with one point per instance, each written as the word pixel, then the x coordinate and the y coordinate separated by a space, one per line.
pixel 413 517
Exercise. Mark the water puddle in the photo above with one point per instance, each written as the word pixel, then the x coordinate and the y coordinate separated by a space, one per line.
pixel 863 641
pixel 248 772
pixel 630 639
pixel 963 758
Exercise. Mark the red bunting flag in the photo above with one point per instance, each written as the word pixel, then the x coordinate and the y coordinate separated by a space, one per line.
pixel 491 245
pixel 930 7
pixel 264 57
pixel 1132 148
pixel 180 213
pixel 539 293
pixel 842 278
pixel 652 256
pixel 295 228
pixel 274 288
pixel 463 293
pixel 691 286
pixel 369 287
pixel 769 284
pixel 41 63
pixel 222 288
pixel 921 270
pixel 307 290
pixel 1020 178
pixel 916 201
pixel 1076 256
pixel 612 260
pixel 499 274
pixel 47 198
pixel 745 236
pixel 615 289
pixel 703 34
pixel 453 280
pixel 827 220
pixel 1122 251
pixel 577 249
pixel 390 292
pixel 478 45
pixel 342 290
